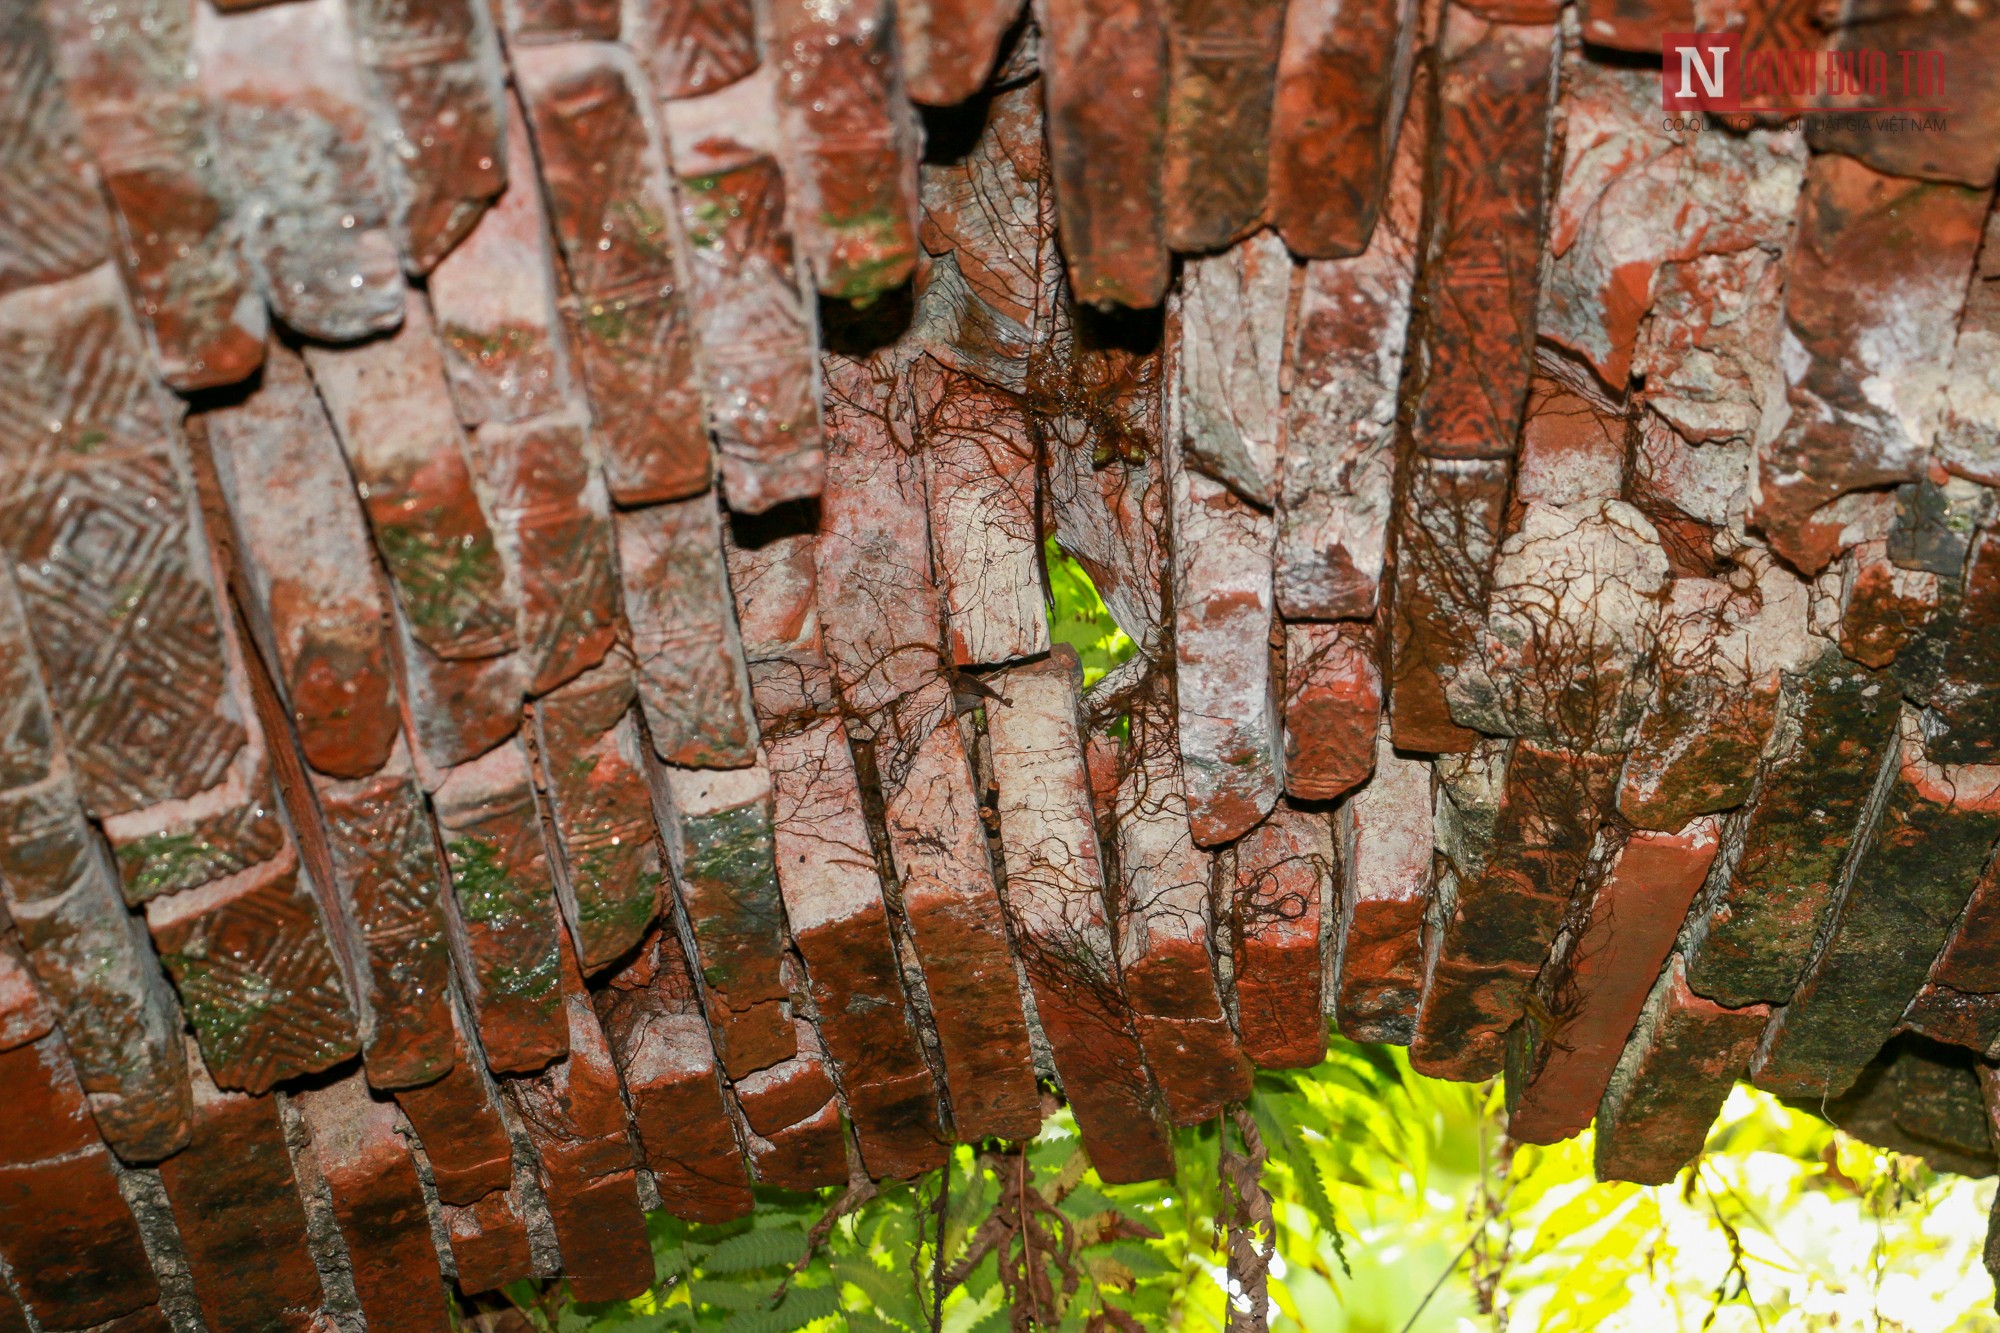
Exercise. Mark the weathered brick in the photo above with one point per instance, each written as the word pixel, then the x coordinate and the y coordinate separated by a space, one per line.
pixel 1343 78
pixel 1635 25
pixel 457 710
pixel 949 46
pixel 512 928
pixel 693 686
pixel 1346 363
pixel 989 300
pixel 574 1113
pixel 392 408
pixel 436 75
pixel 1723 651
pixel 1923 838
pixel 720 843
pixel 1515 822
pixel 1486 226
pixel 301 155
pixel 1572 446
pixel 489 1242
pixel 1165 926
pixel 1961 146
pixel 1222 67
pixel 605 179
pixel 1445 534
pixel 552 526
pixel 1882 606
pixel 1566 656
pixel 236 1203
pixel 457 1121
pixel 1921 1099
pixel 125 623
pixel 531 23
pixel 1684 1055
pixel 1384 835
pixel 390 885
pixel 24 1014
pixel 257 974
pixel 839 924
pixel 593 764
pixel 1055 895
pixel 1286 880
pixel 1108 158
pixel 1597 977
pixel 751 323
pixel 693 48
pixel 850 143
pixel 1333 708
pixel 493 299
pixel 793 1119
pixel 1968 439
pixel 1779 870
pixel 71 231
pixel 303 546
pixel 1232 342
pixel 1864 311
pixel 129 74
pixel 978 450
pixel 1232 743
pixel 1967 698
pixel 379 1203
pixel 1709 351
pixel 653 1022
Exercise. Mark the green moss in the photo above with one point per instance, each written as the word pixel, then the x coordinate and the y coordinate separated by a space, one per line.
pixel 445 580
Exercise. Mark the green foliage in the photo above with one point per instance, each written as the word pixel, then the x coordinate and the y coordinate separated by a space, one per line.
pixel 1079 618
pixel 1400 1205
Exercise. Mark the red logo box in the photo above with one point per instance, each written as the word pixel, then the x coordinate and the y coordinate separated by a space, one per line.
pixel 1703 71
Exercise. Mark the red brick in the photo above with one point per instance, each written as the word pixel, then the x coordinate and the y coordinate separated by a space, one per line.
pixel 839 924
pixel 1384 832
pixel 1968 700
pixel 1222 63
pixel 1055 896
pixel 793 1120
pixel 1596 981
pixel 693 686
pixel 605 180
pixel 392 408
pixel 1882 606
pixel 237 1207
pixel 1572 447
pixel 1445 532
pixel 552 525
pixel 511 927
pixel 379 1203
pixel 1515 829
pixel 257 974
pixel 1164 925
pixel 691 49
pixel 1232 326
pixel 1968 440
pixel 978 450
pixel 949 46
pixel 1343 76
pixel 489 1242
pixel 574 1113
pixel 303 545
pixel 72 231
pixel 24 1015
pixel 1961 147
pixel 751 323
pixel 436 69
pixel 718 827
pixel 457 1120
pixel 1864 311
pixel 851 143
pixel 152 717
pixel 1231 739
pixel 1678 1067
pixel 494 301
pixel 653 1022
pixel 1485 234
pixel 130 77
pixel 539 22
pixel 593 768
pixel 391 887
pixel 283 84
pixel 1286 878
pixel 71 1241
pixel 1635 25
pixel 1333 705
pixel 1346 364
pixel 1108 157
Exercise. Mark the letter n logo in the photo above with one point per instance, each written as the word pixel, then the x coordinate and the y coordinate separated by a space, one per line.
pixel 1703 71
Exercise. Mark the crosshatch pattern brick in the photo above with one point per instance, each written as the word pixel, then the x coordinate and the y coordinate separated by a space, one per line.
pixel 526 677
